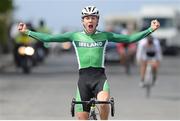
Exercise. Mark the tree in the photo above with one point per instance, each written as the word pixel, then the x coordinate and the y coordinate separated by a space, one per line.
pixel 6 7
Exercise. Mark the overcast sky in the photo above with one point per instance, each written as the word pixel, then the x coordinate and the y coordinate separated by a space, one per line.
pixel 59 13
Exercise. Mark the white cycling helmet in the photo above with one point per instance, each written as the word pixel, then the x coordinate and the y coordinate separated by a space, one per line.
pixel 90 10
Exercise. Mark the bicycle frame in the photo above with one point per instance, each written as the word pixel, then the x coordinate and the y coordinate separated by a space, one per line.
pixel 92 103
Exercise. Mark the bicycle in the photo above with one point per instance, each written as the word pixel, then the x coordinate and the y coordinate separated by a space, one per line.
pixel 92 102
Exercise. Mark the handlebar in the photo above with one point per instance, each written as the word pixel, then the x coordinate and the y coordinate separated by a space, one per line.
pixel 92 102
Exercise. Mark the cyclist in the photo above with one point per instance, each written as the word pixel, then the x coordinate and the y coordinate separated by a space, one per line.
pixel 90 49
pixel 20 40
pixel 149 51
pixel 126 50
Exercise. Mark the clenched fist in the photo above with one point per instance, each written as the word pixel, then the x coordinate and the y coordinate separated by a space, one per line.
pixel 155 24
pixel 22 27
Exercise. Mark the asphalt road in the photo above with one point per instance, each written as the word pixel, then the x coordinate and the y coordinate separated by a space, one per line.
pixel 47 92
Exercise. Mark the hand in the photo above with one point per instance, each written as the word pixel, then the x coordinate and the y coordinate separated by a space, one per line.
pixel 22 27
pixel 155 24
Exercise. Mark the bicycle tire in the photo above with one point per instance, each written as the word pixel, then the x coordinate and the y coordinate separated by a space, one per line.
pixel 72 107
pixel 148 91
pixel 112 106
pixel 148 81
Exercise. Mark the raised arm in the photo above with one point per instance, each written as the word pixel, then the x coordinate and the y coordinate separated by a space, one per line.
pixel 134 37
pixel 44 37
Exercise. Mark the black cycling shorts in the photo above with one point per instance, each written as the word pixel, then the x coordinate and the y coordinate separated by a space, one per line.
pixel 91 82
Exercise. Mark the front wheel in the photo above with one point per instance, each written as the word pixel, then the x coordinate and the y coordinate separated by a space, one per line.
pixel 127 66
pixel 148 80
pixel 26 70
pixel 148 91
pixel 112 106
pixel 72 107
pixel 27 63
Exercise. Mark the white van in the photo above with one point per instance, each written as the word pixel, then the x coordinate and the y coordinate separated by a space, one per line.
pixel 169 31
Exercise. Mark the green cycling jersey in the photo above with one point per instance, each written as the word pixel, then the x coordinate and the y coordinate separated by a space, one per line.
pixel 90 48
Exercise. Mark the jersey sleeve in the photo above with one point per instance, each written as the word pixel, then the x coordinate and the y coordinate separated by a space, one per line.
pixel 113 37
pixel 66 37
